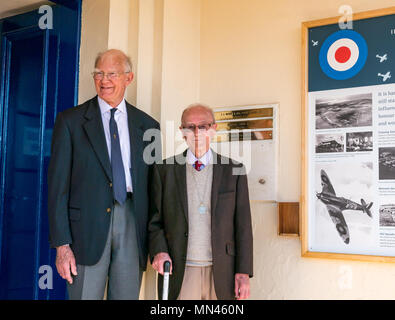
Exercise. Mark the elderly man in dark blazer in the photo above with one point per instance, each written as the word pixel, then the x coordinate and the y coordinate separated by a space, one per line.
pixel 98 188
pixel 200 217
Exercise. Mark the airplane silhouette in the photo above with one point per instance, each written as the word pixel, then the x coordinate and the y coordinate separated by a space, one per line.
pixel 382 58
pixel 385 76
pixel 335 205
pixel 315 43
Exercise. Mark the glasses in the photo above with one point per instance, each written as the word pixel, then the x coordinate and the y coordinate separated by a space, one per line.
pixel 110 75
pixel 201 127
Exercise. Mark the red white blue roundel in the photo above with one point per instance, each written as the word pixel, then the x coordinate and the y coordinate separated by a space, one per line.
pixel 343 54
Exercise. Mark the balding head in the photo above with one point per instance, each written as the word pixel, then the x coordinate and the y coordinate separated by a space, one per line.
pixel 198 108
pixel 118 56
pixel 198 128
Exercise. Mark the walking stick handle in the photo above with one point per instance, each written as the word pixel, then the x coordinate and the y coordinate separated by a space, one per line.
pixel 166 268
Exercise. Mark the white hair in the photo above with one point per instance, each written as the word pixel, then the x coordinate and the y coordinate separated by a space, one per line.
pixel 126 59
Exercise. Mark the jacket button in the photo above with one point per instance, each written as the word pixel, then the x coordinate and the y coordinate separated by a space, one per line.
pixel 186 234
pixel 110 185
pixel 108 210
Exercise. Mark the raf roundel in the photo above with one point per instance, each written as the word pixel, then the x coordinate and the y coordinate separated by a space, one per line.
pixel 343 54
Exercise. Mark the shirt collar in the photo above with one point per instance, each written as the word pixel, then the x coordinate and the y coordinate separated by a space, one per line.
pixel 105 107
pixel 205 159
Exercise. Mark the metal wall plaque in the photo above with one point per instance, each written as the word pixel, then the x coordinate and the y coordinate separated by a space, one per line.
pixel 244 114
pixel 250 124
pixel 248 134
pixel 243 136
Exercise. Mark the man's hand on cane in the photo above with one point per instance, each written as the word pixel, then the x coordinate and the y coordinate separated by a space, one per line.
pixel 159 261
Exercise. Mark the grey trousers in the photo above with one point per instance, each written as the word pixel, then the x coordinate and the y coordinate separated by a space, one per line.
pixel 119 263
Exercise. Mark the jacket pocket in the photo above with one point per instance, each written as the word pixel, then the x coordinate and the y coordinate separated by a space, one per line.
pixel 230 249
pixel 74 214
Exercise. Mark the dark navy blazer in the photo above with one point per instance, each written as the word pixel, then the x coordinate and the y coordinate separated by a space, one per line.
pixel 80 195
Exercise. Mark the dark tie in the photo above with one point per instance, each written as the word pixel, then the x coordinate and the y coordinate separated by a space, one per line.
pixel 198 165
pixel 118 172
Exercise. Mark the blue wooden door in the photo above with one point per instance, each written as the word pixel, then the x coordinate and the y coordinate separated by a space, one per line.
pixel 39 68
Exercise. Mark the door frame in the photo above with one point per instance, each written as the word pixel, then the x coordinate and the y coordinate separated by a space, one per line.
pixel 5 67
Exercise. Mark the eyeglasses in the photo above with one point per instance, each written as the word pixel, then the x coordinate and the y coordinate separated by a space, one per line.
pixel 201 127
pixel 110 75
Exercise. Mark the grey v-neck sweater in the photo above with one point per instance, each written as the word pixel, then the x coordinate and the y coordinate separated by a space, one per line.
pixel 199 252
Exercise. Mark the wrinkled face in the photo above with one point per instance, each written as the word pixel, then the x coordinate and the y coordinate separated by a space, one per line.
pixel 198 129
pixel 112 89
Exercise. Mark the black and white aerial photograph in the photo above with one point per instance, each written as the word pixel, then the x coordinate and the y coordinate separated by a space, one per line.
pixel 387 215
pixel 387 163
pixel 344 112
pixel 359 141
pixel 326 143
pixel 344 203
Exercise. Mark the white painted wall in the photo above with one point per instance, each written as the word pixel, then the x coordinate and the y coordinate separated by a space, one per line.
pixel 180 65
pixel 118 26
pixel 94 39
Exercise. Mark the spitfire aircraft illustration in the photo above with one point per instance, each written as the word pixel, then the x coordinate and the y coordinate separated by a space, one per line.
pixel 315 43
pixel 382 58
pixel 385 76
pixel 335 205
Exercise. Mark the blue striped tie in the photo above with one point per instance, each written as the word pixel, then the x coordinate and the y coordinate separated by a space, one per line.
pixel 118 172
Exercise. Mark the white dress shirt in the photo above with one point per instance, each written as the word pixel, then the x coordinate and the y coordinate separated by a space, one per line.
pixel 205 159
pixel 121 118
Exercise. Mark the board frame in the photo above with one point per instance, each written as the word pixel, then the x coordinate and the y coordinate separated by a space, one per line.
pixel 304 221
